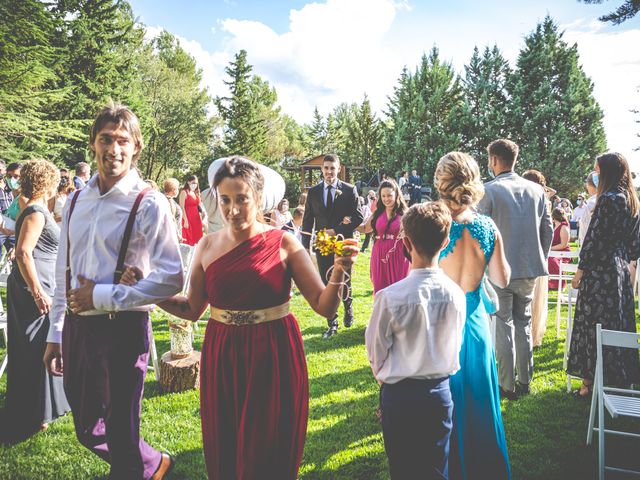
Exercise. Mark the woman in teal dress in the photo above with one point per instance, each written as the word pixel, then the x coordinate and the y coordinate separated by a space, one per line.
pixel 478 445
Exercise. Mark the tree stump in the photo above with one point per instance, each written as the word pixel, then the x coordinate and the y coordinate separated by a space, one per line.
pixel 180 374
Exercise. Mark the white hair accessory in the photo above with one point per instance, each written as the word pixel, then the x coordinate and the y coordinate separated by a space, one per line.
pixel 274 186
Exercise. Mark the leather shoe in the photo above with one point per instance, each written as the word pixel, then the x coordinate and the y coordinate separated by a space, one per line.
pixel 507 394
pixel 166 465
pixel 333 327
pixel 348 317
pixel 522 389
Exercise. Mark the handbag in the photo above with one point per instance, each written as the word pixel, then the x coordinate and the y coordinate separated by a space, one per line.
pixel 489 297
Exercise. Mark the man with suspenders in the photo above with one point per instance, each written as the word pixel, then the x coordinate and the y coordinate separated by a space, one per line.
pixel 100 329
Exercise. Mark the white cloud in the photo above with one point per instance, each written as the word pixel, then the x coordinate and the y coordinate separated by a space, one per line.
pixel 336 51
pixel 611 59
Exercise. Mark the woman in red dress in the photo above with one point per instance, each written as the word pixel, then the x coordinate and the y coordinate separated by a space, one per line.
pixel 254 391
pixel 189 203
pixel 560 243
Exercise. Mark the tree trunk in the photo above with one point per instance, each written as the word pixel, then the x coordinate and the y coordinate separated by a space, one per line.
pixel 180 374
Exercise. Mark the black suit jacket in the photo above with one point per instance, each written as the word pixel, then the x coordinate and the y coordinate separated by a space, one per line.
pixel 345 204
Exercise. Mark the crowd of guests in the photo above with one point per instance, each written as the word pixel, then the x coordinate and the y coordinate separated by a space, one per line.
pixel 93 254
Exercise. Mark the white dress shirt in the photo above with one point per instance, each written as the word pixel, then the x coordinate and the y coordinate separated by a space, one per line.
pixel 334 187
pixel 416 326
pixel 585 218
pixel 96 230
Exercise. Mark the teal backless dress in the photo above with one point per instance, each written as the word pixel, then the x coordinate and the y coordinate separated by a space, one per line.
pixel 478 445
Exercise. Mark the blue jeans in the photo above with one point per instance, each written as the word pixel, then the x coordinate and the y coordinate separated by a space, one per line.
pixel 416 426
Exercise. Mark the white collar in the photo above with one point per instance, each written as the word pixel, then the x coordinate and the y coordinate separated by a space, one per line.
pixel 124 185
pixel 334 184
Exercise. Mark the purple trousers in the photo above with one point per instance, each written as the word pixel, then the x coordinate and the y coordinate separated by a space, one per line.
pixel 105 363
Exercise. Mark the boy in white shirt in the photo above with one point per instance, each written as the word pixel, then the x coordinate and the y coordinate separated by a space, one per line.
pixel 413 343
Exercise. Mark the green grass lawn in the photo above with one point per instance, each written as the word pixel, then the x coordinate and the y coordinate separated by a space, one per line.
pixel 545 431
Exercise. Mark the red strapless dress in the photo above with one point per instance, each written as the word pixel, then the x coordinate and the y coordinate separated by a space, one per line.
pixel 254 387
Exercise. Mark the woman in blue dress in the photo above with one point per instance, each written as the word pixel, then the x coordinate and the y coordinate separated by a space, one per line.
pixel 478 445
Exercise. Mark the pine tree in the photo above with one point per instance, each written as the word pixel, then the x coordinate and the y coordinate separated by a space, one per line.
pixel 29 95
pixel 365 135
pixel 425 117
pixel 248 112
pixel 624 12
pixel 554 116
pixel 484 116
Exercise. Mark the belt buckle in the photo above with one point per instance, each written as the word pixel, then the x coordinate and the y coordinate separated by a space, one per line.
pixel 240 318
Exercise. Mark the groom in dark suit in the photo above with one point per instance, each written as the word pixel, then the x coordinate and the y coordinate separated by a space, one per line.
pixel 332 205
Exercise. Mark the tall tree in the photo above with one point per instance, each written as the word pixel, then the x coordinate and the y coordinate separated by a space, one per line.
pixel 624 12
pixel 424 114
pixel 557 121
pixel 177 127
pixel 484 116
pixel 29 94
pixel 100 39
pixel 365 134
pixel 249 112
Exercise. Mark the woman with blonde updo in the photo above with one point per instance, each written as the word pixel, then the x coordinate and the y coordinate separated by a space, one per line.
pixel 34 398
pixel 478 445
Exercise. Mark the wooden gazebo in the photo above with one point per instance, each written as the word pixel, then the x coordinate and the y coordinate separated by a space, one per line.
pixel 311 172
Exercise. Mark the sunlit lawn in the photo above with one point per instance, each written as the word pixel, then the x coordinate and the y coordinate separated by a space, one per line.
pixel 546 431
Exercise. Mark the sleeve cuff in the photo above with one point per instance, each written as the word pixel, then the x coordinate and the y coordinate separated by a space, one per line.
pixel 54 336
pixel 103 297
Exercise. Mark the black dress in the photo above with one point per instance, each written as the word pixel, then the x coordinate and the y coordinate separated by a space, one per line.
pixel 606 292
pixel 33 396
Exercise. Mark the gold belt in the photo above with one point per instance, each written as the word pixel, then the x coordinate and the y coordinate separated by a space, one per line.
pixel 249 317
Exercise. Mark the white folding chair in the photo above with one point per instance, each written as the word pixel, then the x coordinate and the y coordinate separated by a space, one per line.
pixel 619 402
pixel 3 327
pixel 567 270
pixel 564 276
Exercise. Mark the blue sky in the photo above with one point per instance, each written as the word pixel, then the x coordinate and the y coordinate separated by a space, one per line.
pixel 330 51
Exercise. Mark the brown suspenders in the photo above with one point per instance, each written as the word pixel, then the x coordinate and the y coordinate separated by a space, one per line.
pixel 125 238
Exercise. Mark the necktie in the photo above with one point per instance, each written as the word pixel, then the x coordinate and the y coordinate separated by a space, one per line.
pixel 329 197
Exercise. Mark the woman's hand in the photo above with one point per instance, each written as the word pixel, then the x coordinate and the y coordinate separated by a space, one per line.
pixel 43 302
pixel 131 276
pixel 351 249
pixel 185 223
pixel 576 280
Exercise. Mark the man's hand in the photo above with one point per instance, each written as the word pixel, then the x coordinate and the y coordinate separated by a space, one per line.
pixel 53 359
pixel 331 231
pixel 131 276
pixel 81 299
pixel 346 220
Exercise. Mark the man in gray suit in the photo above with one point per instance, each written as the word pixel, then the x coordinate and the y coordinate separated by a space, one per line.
pixel 517 206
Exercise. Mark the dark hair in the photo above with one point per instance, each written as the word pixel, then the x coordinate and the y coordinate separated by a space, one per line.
pixel 190 178
pixel 427 225
pixel 559 215
pixel 615 175
pixel 246 170
pixel 535 176
pixel 302 199
pixel 13 166
pixel 332 157
pixel 505 150
pixel 124 118
pixel 399 207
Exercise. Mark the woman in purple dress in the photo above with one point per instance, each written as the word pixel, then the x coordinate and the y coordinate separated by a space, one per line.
pixel 388 263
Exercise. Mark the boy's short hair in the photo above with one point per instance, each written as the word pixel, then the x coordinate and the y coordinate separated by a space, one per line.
pixel 298 212
pixel 427 225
